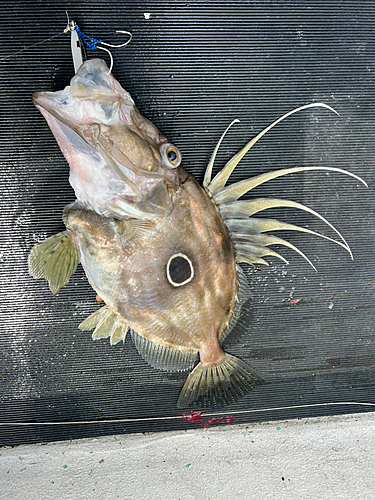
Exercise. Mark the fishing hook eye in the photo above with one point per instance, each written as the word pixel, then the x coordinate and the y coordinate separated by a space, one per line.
pixel 79 39
pixel 170 155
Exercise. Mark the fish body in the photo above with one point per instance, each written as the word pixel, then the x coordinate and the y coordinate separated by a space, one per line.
pixel 160 250
pixel 137 277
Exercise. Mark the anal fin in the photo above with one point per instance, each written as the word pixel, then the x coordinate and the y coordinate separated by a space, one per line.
pixel 163 358
pixel 218 385
pixel 54 259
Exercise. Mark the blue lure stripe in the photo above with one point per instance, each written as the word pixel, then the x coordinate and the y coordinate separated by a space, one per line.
pixel 93 41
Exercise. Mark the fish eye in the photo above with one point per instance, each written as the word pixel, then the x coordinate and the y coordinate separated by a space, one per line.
pixel 180 270
pixel 170 155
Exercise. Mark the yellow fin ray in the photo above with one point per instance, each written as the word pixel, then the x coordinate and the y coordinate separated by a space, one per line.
pixel 119 331
pixel 270 239
pixel 238 189
pixel 221 178
pixel 94 319
pixel 257 225
pixel 207 175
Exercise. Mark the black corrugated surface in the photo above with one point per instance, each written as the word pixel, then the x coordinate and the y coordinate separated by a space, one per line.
pixel 192 68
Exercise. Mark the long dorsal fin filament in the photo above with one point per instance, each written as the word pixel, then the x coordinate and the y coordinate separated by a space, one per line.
pixel 250 243
pixel 221 178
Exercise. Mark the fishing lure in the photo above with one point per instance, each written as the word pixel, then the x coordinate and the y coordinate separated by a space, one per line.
pixel 160 250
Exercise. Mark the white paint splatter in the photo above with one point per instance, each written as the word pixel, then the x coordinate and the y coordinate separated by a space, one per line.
pixel 147 15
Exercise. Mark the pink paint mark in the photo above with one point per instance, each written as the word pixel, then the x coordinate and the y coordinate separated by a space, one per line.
pixel 295 301
pixel 192 416
pixel 259 269
pixel 124 116
pixel 218 420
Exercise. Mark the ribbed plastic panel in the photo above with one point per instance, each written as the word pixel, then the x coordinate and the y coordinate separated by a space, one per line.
pixel 192 68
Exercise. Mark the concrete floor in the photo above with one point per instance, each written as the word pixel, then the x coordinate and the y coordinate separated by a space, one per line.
pixel 323 458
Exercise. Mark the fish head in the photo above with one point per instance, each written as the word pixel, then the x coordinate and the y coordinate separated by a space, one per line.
pixel 121 164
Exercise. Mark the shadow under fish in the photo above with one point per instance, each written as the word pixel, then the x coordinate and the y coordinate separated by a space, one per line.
pixel 160 250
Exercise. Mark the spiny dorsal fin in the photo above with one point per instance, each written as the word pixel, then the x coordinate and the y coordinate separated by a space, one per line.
pixel 218 385
pixel 267 240
pixel 163 358
pixel 250 243
pixel 221 178
pixel 238 189
pixel 253 252
pixel 226 198
pixel 247 208
pixel 54 259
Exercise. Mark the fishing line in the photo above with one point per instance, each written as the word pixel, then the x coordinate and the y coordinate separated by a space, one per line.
pixel 27 47
pixel 181 417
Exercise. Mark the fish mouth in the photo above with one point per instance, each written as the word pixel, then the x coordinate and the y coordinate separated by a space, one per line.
pixel 91 93
pixel 52 104
pixel 45 100
pixel 67 132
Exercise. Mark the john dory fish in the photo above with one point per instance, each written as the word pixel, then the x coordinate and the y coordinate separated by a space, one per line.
pixel 161 251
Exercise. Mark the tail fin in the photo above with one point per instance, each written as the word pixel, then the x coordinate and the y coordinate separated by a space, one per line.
pixel 218 385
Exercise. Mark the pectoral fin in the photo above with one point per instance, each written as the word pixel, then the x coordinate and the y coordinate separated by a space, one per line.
pixel 130 229
pixel 55 259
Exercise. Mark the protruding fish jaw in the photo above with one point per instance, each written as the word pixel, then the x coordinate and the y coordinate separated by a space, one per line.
pixel 66 131
pixel 120 164
pixel 51 102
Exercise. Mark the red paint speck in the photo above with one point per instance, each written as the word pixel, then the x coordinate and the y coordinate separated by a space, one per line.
pixel 197 415
pixel 218 420
pixel 295 301
pixel 192 416
pixel 259 269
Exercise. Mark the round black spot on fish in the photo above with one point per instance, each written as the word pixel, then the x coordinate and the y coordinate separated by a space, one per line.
pixel 179 270
pixel 171 155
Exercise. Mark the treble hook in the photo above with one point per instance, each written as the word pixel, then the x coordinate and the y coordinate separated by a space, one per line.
pixel 79 39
